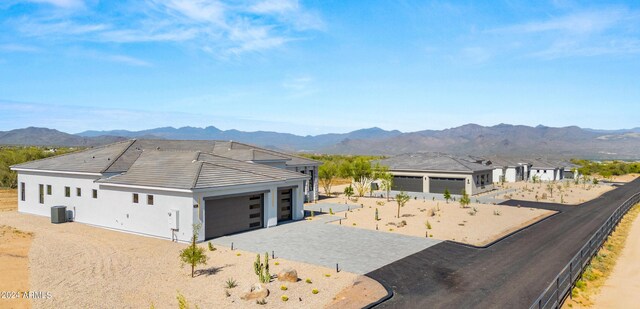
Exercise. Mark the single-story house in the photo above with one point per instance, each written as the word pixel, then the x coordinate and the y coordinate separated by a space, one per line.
pixel 507 169
pixel 162 187
pixel 571 170
pixel 546 170
pixel 437 172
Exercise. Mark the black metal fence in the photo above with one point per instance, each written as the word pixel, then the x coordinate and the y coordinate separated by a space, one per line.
pixel 561 286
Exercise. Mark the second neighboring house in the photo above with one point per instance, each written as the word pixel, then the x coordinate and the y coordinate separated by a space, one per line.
pixel 437 172
pixel 546 170
pixel 162 187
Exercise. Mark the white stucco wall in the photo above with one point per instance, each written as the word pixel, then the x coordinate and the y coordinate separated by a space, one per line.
pixel 544 174
pixel 113 208
pixel 310 192
pixel 497 173
pixel 511 174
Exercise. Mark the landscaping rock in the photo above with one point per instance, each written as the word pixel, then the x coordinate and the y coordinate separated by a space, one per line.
pixel 288 274
pixel 257 291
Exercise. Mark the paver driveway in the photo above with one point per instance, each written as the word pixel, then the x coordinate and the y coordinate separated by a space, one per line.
pixel 316 242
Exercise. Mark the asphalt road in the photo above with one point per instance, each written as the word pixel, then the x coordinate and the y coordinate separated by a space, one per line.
pixel 508 274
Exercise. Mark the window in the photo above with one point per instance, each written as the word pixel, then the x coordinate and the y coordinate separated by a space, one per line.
pixel 95 193
pixel 48 189
pixel 545 171
pixel 135 198
pixel 311 181
pixel 78 192
pixel 41 193
pixel 22 193
pixel 67 191
pixel 149 199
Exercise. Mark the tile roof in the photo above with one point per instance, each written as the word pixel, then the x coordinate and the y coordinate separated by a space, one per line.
pixel 432 162
pixel 174 164
pixel 195 170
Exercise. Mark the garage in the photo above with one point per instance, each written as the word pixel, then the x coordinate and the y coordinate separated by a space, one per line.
pixel 284 204
pixel 407 183
pixel 228 215
pixel 440 184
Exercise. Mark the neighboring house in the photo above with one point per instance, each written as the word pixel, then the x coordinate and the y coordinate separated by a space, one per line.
pixel 571 170
pixel 547 170
pixel 437 172
pixel 161 187
pixel 508 170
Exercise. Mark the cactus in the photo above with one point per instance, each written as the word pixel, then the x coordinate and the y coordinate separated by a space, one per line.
pixel 330 211
pixel 377 218
pixel 257 266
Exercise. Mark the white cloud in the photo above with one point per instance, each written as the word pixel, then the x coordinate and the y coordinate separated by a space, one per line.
pixel 577 23
pixel 127 60
pixel 611 31
pixel 19 48
pixel 222 28
pixel 62 3
pixel 275 6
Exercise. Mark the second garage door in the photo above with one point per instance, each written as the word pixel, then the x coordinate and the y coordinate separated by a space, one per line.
pixel 233 214
pixel 407 183
pixel 438 185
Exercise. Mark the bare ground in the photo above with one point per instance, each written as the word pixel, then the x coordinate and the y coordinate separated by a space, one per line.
pixel 84 266
pixel 478 224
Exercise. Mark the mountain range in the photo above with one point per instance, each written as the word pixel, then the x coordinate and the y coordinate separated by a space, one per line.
pixel 502 139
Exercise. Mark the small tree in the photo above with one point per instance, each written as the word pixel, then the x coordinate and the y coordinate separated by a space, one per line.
pixel 550 189
pixel 465 200
pixel 193 255
pixel 402 198
pixel 386 182
pixel 348 192
pixel 447 195
pixel 327 172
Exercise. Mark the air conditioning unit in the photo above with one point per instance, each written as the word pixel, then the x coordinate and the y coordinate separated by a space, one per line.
pixel 58 214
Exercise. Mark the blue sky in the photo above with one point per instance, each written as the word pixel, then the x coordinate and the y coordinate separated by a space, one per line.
pixel 311 67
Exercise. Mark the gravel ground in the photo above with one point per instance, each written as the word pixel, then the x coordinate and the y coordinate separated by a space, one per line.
pixel 88 267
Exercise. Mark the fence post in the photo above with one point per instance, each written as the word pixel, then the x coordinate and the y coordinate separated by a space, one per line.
pixel 570 279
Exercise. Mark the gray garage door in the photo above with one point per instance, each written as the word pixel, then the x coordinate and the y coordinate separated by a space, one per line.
pixel 284 204
pixel 233 214
pixel 438 185
pixel 407 183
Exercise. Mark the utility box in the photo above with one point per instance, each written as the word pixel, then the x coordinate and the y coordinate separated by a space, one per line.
pixel 58 214
pixel 173 219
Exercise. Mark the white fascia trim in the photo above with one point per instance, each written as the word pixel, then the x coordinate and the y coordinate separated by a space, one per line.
pixel 438 172
pixel 117 185
pixel 53 172
pixel 249 186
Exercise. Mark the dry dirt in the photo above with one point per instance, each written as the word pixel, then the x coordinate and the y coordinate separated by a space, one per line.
pixel 8 200
pixel 622 287
pixel 364 291
pixel 448 221
pixel 572 194
pixel 87 267
pixel 14 267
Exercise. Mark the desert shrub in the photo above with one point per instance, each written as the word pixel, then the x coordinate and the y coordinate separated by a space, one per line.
pixel 428 225
pixel 261 301
pixel 284 287
pixel 315 291
pixel 285 298
pixel 308 281
pixel 211 247
pixel 231 283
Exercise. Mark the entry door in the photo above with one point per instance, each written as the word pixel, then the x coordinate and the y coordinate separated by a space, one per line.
pixel 285 204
